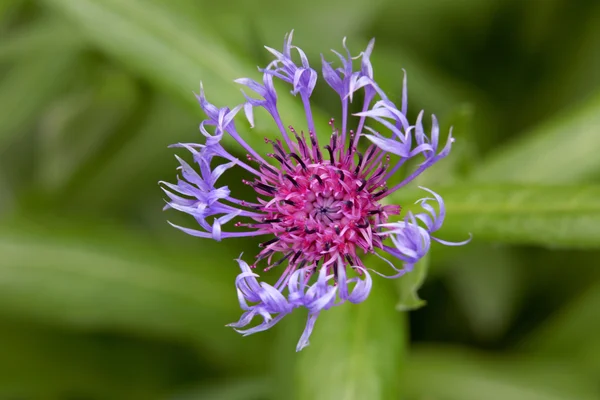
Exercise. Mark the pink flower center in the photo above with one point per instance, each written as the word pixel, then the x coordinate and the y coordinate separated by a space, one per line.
pixel 321 211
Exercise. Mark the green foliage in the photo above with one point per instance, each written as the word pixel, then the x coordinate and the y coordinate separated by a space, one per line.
pixel 448 373
pixel 100 298
pixel 357 352
pixel 410 284
pixel 566 216
pixel 26 90
pixel 61 279
pixel 563 149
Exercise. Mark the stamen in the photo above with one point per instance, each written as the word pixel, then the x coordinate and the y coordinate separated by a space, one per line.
pixel 301 142
pixel 371 152
pixel 304 146
pixel 315 146
pixel 360 160
pixel 295 258
pixel 377 174
pixel 268 242
pixel 282 161
pixel 292 180
pixel 318 178
pixel 262 256
pixel 363 183
pixel 280 261
pixel 349 259
pixel 329 149
pixel 269 168
pixel 297 158
pixel 265 187
pixel 279 149
pixel 350 141
pixel 382 191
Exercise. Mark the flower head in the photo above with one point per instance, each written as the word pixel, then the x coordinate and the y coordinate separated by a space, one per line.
pixel 320 205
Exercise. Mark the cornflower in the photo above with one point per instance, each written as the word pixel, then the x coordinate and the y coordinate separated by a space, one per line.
pixel 321 205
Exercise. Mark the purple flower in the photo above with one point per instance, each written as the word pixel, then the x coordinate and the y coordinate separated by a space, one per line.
pixel 320 206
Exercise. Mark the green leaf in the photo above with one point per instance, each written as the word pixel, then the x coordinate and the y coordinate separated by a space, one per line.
pixel 38 362
pixel 455 374
pixel 78 126
pixel 26 89
pixel 8 8
pixel 562 150
pixel 6 194
pixel 67 277
pixel 572 332
pixel 243 389
pixel 428 86
pixel 42 38
pixel 133 169
pixel 465 156
pixel 410 283
pixel 170 51
pixel 565 216
pixel 334 20
pixel 356 351
pixel 486 282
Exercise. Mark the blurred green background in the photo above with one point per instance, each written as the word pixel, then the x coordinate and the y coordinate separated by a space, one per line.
pixel 101 299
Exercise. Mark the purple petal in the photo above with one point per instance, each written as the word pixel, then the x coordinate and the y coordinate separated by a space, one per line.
pixel 310 324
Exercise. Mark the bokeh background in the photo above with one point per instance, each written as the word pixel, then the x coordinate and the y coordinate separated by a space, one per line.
pixel 101 299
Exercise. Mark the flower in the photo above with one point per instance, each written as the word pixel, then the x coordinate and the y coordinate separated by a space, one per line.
pixel 321 206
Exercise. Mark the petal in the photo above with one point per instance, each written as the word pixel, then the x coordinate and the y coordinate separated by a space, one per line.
pixel 404 108
pixel 192 232
pixel 332 77
pixel 262 327
pixel 249 112
pixel 310 324
pixel 244 320
pixel 210 110
pixel 362 288
pixel 444 242
pixel 366 66
pixel 389 145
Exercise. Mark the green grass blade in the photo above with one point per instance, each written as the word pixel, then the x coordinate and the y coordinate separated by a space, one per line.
pixel 356 351
pixel 27 88
pixel 67 277
pixel 455 374
pixel 409 284
pixel 38 362
pixel 562 150
pixel 171 52
pixel 559 216
pixel 572 332
pixel 42 38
